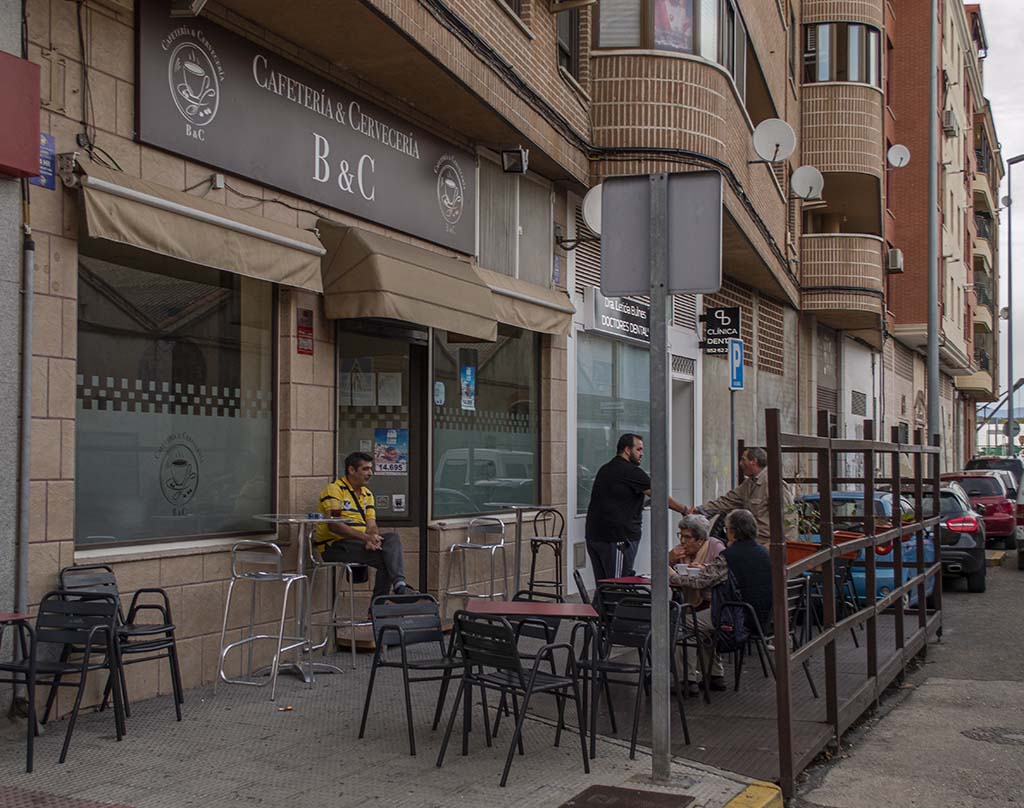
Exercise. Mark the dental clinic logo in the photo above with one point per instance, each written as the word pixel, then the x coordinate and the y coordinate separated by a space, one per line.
pixel 451 190
pixel 194 76
pixel 179 470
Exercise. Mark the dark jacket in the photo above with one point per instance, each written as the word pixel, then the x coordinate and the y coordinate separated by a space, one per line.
pixel 616 507
pixel 751 566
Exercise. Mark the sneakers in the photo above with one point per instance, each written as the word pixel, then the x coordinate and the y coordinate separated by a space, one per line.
pixel 402 588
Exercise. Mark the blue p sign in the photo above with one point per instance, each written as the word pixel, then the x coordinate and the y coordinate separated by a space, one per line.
pixel 735 364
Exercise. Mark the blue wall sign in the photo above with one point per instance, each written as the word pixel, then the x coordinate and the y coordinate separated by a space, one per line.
pixel 735 364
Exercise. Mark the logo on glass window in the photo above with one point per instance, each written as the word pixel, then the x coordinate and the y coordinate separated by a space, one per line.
pixel 179 470
pixel 194 75
pixel 451 189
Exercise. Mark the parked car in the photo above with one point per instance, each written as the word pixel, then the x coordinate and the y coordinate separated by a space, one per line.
pixel 1014 465
pixel 961 536
pixel 990 498
pixel 851 504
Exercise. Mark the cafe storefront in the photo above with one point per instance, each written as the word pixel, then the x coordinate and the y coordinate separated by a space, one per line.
pixel 287 272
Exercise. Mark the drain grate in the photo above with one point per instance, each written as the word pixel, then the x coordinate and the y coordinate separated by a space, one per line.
pixel 615 797
pixel 999 735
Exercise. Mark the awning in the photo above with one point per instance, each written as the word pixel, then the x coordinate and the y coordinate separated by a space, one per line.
pixel 528 305
pixel 370 275
pixel 143 215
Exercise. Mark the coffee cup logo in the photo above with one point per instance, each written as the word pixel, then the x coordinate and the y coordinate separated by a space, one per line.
pixel 193 83
pixel 179 474
pixel 451 189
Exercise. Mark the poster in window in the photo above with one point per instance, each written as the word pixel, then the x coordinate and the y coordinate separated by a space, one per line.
pixel 467 378
pixel 673 24
pixel 389 389
pixel 390 452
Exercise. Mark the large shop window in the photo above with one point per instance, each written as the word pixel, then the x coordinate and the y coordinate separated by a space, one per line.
pixel 613 397
pixel 842 52
pixel 712 29
pixel 486 422
pixel 175 403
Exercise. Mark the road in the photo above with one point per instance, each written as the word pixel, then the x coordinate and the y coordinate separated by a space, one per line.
pixel 953 735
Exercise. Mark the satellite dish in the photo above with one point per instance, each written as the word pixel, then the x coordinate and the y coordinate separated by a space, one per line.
pixel 1007 201
pixel 898 156
pixel 807 183
pixel 774 140
pixel 592 209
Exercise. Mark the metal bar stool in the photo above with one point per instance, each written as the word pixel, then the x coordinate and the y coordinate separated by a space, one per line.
pixel 260 562
pixel 479 535
pixel 352 574
pixel 549 531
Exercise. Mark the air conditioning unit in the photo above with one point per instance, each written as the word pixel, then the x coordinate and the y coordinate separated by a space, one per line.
pixel 895 261
pixel 949 125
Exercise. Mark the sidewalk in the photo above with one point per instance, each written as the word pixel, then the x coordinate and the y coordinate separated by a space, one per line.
pixel 234 748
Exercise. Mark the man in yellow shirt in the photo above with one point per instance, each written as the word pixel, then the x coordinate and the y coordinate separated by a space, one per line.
pixel 359 540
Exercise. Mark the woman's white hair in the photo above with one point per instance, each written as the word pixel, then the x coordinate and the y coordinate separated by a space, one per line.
pixel 698 525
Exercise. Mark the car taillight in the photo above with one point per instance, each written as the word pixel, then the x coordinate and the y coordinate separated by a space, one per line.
pixel 963 524
pixel 1005 507
pixel 883 549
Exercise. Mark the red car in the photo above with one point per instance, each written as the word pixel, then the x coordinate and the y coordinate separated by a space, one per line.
pixel 997 508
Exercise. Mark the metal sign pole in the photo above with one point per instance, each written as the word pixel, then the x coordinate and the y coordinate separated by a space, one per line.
pixel 732 435
pixel 661 706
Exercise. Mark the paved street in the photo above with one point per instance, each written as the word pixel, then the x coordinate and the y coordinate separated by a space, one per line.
pixel 954 735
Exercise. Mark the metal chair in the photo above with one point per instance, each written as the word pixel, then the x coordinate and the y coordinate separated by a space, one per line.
pixel 581 586
pixel 630 627
pixel 491 661
pixel 136 642
pixel 479 533
pixel 351 573
pixel 83 625
pixel 549 530
pixel 258 563
pixel 408 621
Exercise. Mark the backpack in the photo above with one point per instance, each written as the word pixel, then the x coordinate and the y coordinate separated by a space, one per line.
pixel 731 621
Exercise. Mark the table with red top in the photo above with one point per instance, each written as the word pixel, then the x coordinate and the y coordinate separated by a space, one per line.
pixel 628 579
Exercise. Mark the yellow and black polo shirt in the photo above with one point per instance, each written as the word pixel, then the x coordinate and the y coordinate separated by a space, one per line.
pixel 339 495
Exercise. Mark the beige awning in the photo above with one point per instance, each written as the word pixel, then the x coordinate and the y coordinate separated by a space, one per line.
pixel 370 275
pixel 143 215
pixel 528 305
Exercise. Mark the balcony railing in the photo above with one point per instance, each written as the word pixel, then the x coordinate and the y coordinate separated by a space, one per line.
pixel 982 360
pixel 983 224
pixel 984 294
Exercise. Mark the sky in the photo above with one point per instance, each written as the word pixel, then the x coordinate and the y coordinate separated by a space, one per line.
pixel 1004 25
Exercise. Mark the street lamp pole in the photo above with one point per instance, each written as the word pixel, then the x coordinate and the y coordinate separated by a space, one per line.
pixel 1009 300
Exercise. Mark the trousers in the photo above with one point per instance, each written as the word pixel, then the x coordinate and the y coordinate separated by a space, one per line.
pixel 604 555
pixel 387 561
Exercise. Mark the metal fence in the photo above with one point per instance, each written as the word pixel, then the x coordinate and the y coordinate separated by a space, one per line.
pixel 882 464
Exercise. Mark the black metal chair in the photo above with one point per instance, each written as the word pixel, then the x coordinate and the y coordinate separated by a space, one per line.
pixel 491 661
pixel 407 621
pixel 85 623
pixel 581 586
pixel 549 531
pixel 136 642
pixel 846 596
pixel 630 627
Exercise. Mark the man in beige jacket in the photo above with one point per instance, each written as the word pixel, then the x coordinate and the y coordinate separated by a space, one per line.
pixel 752 495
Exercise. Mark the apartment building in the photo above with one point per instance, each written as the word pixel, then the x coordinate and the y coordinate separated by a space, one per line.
pixel 287 232
pixel 970 170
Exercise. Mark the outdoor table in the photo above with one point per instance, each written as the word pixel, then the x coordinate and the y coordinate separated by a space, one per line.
pixel 583 612
pixel 518 508
pixel 307 525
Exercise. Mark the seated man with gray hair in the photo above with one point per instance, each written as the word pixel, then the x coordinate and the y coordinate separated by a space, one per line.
pixel 750 567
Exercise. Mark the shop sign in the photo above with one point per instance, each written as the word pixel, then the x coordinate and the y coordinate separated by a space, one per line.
pixel 218 98
pixel 304 332
pixel 619 317
pixel 720 326
pixel 47 165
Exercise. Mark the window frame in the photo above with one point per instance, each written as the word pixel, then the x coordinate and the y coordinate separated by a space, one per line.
pixel 570 50
pixel 79 543
pixel 842 52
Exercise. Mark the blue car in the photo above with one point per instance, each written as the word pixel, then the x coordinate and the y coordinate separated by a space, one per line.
pixel 851 503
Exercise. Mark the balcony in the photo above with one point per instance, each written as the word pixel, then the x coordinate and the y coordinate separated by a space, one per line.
pixel 986 230
pixel 979 386
pixel 843 281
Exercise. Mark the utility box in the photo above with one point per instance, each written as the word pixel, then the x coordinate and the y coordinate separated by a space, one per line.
pixel 19 111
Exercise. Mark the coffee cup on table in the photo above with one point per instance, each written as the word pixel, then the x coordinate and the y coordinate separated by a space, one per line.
pixel 681 569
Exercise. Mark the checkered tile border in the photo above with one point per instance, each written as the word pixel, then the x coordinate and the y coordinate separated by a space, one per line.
pixel 460 420
pixel 171 398
pixel 362 418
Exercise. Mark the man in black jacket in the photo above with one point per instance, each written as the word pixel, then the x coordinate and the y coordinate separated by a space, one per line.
pixel 615 514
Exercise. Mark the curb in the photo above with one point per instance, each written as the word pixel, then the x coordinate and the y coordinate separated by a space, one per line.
pixel 758 795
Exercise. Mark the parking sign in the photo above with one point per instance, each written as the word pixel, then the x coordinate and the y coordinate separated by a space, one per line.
pixel 735 364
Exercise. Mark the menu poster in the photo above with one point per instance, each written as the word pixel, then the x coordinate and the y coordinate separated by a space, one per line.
pixel 389 389
pixel 391 452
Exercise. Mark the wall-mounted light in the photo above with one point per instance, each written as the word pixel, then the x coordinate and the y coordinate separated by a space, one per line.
pixel 515 161
pixel 186 8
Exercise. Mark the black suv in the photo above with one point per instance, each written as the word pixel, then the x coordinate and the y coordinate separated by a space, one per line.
pixel 962 537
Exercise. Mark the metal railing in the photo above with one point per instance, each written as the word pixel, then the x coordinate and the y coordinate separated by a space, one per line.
pixel 982 360
pixel 881 463
pixel 983 224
